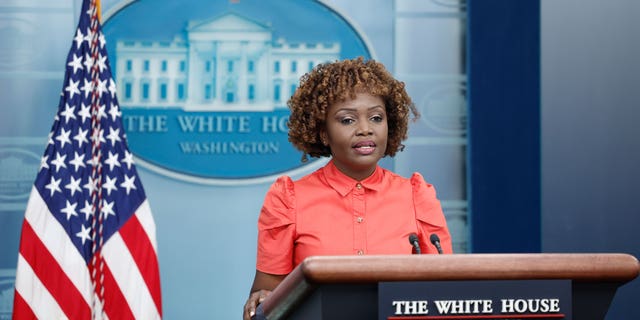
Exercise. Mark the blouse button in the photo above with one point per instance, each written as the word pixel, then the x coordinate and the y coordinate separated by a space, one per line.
pixel 360 219
pixel 360 252
pixel 359 186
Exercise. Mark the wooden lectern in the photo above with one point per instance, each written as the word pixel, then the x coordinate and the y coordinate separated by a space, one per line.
pixel 346 287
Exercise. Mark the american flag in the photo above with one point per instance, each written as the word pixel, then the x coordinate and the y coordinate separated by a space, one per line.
pixel 87 248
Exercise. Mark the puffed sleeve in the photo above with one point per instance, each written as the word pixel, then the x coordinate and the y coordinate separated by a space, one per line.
pixel 429 216
pixel 276 228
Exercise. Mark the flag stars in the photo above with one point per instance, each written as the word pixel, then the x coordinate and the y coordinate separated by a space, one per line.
pixel 129 183
pixel 114 112
pixel 54 186
pixel 102 87
pixel 87 87
pixel 114 136
pixel 68 113
pixel 59 161
pixel 112 161
pixel 63 137
pixel 112 88
pixel 102 40
pixel 102 62
pixel 43 162
pixel 101 111
pixel 72 88
pixel 88 61
pixel 89 36
pixel 78 39
pixel 85 112
pixel 91 11
pixel 107 209
pixel 78 161
pixel 87 210
pixel 90 185
pixel 94 161
pixel 110 185
pixel 84 234
pixel 98 137
pixel 76 63
pixel 128 159
pixel 81 137
pixel 70 210
pixel 74 185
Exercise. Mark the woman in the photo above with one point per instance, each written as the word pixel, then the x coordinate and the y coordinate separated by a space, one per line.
pixel 355 112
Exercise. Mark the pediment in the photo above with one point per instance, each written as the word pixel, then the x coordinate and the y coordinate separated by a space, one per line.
pixel 228 22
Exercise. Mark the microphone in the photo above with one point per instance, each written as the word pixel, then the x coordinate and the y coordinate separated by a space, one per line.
pixel 435 240
pixel 413 239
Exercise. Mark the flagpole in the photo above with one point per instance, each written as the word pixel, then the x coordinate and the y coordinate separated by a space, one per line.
pixel 97 263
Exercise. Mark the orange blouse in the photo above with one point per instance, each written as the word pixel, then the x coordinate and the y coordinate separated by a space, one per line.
pixel 329 213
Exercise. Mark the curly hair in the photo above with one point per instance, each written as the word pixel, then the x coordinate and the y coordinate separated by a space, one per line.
pixel 329 83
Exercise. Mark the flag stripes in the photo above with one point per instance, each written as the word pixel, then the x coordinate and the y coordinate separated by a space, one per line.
pixel 22 308
pixel 130 280
pixel 141 250
pixel 51 275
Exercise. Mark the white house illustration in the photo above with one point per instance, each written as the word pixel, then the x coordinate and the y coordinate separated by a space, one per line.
pixel 229 63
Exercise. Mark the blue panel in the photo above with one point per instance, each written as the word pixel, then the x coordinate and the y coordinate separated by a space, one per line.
pixel 504 125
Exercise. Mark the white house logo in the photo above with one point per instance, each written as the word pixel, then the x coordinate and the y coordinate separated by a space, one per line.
pixel 203 86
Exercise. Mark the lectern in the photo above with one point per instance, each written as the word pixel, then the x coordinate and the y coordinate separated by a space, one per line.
pixel 346 287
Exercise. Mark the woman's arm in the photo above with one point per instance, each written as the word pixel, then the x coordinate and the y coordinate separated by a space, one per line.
pixel 263 284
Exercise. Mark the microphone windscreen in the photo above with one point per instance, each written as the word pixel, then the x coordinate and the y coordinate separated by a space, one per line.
pixel 413 238
pixel 434 238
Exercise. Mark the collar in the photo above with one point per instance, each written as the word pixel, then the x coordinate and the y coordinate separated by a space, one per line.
pixel 343 184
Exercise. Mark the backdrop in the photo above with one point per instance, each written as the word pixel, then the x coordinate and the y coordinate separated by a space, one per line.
pixel 202 85
pixel 206 221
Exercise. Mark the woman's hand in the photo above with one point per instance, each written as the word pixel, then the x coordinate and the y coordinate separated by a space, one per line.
pixel 263 283
pixel 252 303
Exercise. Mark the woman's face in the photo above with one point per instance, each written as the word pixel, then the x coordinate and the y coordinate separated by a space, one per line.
pixel 356 132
